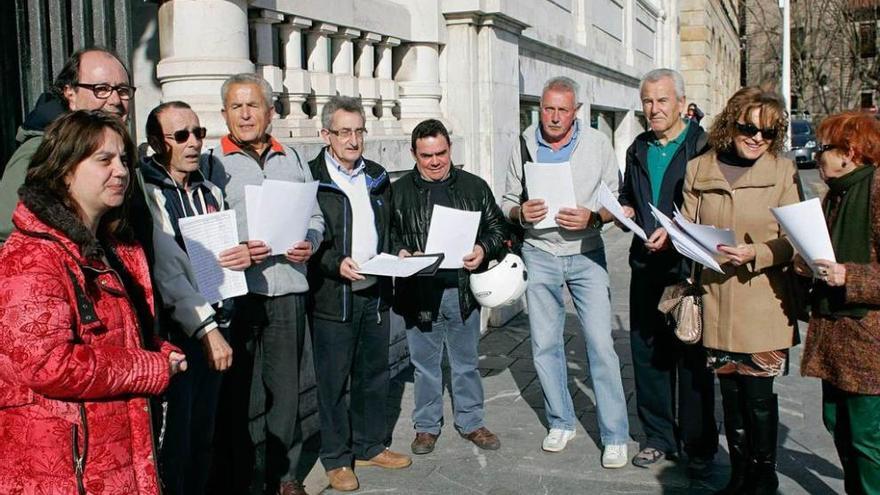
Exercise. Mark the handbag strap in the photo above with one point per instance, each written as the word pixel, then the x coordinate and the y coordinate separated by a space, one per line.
pixel 695 272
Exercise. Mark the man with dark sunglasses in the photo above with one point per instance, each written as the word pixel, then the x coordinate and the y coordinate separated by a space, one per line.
pixel 176 189
pixel 82 84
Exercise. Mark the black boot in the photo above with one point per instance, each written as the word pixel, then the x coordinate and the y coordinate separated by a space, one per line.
pixel 764 424
pixel 733 403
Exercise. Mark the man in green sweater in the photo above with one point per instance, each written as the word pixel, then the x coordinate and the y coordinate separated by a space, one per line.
pixel 91 79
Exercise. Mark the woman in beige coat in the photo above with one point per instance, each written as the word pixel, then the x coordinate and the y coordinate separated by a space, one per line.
pixel 748 325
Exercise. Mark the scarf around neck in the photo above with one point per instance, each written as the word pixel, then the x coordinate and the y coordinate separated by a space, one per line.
pixel 849 202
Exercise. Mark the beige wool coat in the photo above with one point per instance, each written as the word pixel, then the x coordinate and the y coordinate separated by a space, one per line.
pixel 749 308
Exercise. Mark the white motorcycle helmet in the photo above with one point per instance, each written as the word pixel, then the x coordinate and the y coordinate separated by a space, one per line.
pixel 501 284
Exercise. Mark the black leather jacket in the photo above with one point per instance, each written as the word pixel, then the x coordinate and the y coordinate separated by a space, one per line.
pixel 411 219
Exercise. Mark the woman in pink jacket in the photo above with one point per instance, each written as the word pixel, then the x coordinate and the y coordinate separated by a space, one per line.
pixel 76 362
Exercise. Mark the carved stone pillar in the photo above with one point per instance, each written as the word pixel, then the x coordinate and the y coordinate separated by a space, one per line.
pixel 297 85
pixel 343 59
pixel 264 46
pixel 322 81
pixel 364 69
pixel 418 80
pixel 387 86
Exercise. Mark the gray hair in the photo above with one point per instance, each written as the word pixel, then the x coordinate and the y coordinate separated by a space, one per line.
pixel 344 103
pixel 562 83
pixel 658 74
pixel 247 78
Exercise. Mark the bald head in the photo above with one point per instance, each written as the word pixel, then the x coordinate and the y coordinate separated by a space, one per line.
pixel 96 67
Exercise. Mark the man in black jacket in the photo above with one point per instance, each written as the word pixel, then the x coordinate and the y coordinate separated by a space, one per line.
pixel 441 311
pixel 655 169
pixel 350 311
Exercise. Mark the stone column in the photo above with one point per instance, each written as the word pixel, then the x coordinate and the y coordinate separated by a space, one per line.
pixel 484 102
pixel 368 85
pixel 343 60
pixel 189 72
pixel 387 87
pixel 418 81
pixel 322 81
pixel 264 45
pixel 297 84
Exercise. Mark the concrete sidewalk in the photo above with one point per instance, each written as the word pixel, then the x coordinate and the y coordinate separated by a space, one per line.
pixel 514 410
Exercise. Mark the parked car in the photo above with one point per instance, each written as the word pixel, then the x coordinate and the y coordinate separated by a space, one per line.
pixel 803 143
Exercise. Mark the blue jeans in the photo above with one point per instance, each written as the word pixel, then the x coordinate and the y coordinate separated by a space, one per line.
pixel 426 344
pixel 586 277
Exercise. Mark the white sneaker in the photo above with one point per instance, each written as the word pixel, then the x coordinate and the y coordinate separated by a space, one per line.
pixel 614 456
pixel 557 438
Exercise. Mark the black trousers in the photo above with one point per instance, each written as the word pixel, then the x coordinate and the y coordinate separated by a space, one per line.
pixel 258 427
pixel 672 379
pixel 185 458
pixel 357 349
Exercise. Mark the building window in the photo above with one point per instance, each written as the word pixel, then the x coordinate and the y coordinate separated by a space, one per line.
pixel 529 112
pixel 867 99
pixel 868 39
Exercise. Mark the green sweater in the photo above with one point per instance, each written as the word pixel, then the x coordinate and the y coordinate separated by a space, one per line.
pixel 13 178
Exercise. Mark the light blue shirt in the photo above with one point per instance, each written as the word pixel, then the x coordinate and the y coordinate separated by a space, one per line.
pixel 546 154
pixel 350 176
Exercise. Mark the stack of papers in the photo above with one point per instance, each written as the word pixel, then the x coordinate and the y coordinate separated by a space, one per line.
pixel 279 212
pixel 696 242
pixel 551 182
pixel 205 237
pixel 804 223
pixel 387 265
pixel 609 202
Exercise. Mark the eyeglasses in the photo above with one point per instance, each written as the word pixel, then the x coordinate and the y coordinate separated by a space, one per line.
pixel 103 91
pixel 751 130
pixel 346 133
pixel 182 135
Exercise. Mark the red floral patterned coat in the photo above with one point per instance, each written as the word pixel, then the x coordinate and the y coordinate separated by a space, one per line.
pixel 51 386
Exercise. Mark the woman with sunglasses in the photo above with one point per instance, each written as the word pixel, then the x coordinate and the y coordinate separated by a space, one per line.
pixel 843 340
pixel 748 322
pixel 77 356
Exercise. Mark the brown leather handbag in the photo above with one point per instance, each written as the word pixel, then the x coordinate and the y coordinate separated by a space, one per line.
pixel 683 304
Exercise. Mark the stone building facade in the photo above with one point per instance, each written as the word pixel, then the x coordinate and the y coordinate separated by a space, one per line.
pixel 710 52
pixel 478 65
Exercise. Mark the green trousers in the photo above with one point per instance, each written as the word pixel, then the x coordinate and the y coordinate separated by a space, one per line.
pixel 854 422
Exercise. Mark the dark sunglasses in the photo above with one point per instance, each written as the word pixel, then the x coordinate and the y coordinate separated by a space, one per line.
pixel 823 148
pixel 182 135
pixel 751 130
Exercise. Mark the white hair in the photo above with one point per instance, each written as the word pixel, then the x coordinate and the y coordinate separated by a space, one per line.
pixel 658 74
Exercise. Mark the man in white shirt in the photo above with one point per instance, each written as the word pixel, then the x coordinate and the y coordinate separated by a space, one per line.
pixel 350 311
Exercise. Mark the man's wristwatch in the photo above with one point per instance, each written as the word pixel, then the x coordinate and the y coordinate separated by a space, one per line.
pixel 596 220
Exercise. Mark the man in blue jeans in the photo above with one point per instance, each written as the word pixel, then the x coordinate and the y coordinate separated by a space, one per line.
pixel 570 254
pixel 440 311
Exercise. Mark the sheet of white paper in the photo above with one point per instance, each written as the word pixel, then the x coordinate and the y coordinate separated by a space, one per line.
pixel 684 244
pixel 388 265
pixel 551 182
pixel 285 211
pixel 453 233
pixel 205 237
pixel 252 210
pixel 707 236
pixel 804 223
pixel 610 203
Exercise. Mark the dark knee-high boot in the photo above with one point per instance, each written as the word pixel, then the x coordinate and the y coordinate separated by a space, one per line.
pixel 733 403
pixel 764 425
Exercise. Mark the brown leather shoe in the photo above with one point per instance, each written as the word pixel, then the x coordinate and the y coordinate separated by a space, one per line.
pixel 343 479
pixel 291 488
pixel 483 438
pixel 423 443
pixel 387 459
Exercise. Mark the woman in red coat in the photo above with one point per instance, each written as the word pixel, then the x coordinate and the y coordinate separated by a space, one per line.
pixel 75 295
